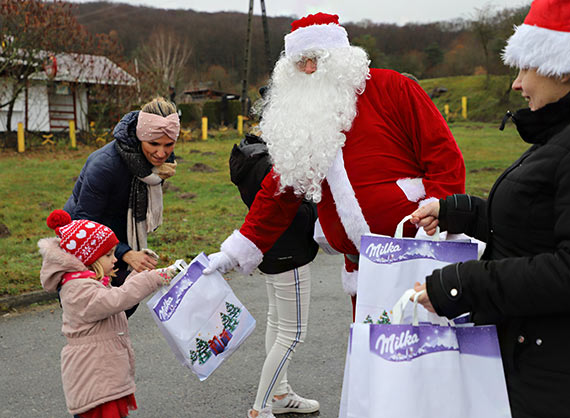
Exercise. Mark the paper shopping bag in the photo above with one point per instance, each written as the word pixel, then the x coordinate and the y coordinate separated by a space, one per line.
pixel 388 266
pixel 201 318
pixel 424 371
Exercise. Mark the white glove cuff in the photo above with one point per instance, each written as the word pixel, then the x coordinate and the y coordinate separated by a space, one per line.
pixel 243 250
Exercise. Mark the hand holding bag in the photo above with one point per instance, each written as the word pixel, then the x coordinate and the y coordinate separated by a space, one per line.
pixel 200 317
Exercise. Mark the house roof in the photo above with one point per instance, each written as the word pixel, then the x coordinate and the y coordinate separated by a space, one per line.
pixel 84 68
pixel 94 69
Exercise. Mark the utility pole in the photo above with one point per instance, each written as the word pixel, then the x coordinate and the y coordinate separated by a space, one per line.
pixel 247 54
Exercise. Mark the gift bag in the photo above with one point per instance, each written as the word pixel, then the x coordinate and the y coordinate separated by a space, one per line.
pixel 388 266
pixel 424 371
pixel 200 317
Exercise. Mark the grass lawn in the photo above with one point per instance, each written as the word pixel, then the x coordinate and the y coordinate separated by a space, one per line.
pixel 201 205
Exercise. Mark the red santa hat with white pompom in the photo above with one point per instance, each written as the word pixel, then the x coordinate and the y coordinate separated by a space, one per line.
pixel 314 32
pixel 543 40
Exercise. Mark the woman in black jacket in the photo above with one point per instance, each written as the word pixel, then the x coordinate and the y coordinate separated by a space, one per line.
pixel 288 282
pixel 522 282
pixel 120 185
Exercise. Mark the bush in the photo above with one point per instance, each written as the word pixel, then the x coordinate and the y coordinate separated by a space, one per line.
pixel 213 111
pixel 191 112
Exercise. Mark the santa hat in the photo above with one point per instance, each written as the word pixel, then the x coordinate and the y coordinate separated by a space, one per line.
pixel 318 31
pixel 543 40
pixel 86 240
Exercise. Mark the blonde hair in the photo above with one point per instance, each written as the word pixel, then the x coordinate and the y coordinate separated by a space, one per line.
pixel 159 106
pixel 97 268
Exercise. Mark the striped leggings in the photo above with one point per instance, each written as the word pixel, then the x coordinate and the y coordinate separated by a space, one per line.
pixel 289 295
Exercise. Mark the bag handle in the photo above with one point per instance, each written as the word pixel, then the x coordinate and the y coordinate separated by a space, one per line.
pixel 400 229
pixel 400 306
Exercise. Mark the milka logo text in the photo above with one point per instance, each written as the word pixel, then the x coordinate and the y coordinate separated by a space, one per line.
pixel 393 342
pixel 375 251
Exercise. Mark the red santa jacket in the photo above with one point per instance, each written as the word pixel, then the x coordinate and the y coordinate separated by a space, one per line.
pixel 398 153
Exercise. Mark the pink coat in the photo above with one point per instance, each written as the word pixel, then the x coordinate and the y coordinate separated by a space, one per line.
pixel 97 364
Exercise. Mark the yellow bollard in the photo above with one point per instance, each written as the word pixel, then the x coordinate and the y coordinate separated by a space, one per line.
pixel 446 111
pixel 240 124
pixel 204 128
pixel 464 107
pixel 21 142
pixel 72 134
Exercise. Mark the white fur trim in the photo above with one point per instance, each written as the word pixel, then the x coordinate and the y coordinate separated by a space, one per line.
pixel 243 250
pixel 347 206
pixel 349 281
pixel 426 201
pixel 315 37
pixel 544 49
pixel 413 188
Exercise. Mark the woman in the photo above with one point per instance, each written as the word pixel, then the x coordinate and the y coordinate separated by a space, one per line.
pixel 120 185
pixel 288 282
pixel 522 282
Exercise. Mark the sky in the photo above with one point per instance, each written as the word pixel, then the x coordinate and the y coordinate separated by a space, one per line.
pixel 378 11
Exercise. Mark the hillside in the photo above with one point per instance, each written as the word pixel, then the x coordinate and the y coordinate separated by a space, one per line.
pixel 483 104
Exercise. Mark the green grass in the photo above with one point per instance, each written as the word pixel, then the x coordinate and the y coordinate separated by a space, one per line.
pixel 201 208
pixel 485 102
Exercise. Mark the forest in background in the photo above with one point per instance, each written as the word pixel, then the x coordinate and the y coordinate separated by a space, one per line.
pixel 188 49
pixel 209 47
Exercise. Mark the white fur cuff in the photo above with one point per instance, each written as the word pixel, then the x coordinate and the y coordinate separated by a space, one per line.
pixel 349 281
pixel 428 200
pixel 243 251
pixel 413 188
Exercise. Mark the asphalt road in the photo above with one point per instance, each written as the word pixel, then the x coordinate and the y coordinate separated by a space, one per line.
pixel 30 345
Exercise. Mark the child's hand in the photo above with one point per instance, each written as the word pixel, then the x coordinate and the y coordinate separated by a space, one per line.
pixel 167 274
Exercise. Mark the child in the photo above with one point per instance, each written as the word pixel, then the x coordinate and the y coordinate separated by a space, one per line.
pixel 97 364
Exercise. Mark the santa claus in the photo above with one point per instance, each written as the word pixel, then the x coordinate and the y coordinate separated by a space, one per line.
pixel 367 145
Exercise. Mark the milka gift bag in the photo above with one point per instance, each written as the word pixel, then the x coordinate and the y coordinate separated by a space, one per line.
pixel 200 317
pixel 388 266
pixel 422 370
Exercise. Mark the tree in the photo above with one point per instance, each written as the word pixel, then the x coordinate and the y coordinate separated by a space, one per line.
pixel 32 33
pixel 368 43
pixel 484 27
pixel 163 61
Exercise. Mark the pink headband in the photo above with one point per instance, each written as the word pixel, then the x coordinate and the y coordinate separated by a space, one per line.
pixel 151 127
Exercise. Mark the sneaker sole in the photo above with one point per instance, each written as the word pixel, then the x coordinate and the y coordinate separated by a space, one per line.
pixel 294 410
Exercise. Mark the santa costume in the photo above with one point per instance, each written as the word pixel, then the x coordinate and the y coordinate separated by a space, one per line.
pixel 384 150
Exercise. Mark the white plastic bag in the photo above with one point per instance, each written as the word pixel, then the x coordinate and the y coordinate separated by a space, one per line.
pixel 200 317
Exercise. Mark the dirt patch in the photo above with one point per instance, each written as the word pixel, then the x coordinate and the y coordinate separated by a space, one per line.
pixel 187 196
pixel 4 231
pixel 483 169
pixel 170 187
pixel 202 168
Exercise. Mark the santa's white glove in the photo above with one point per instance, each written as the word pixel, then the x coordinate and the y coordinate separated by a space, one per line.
pixel 221 261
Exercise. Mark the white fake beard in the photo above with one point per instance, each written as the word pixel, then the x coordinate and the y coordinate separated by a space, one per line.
pixel 305 115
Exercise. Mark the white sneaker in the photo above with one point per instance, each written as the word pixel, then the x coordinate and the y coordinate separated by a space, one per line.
pixel 264 413
pixel 294 403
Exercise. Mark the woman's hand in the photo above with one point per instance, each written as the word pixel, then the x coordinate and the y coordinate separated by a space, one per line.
pixel 166 170
pixel 424 298
pixel 427 216
pixel 139 260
